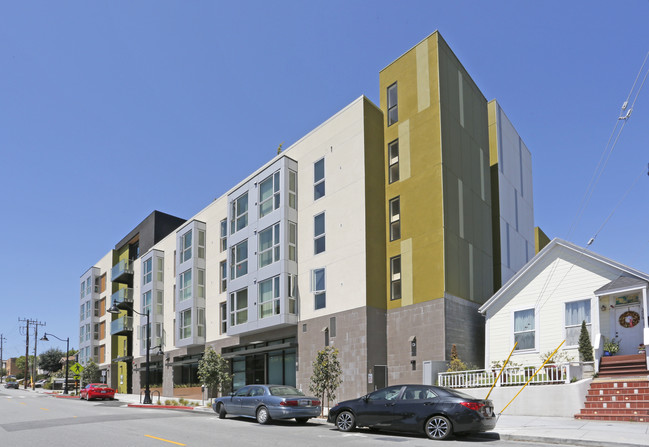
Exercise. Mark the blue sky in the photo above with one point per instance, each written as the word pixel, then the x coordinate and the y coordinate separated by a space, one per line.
pixel 110 110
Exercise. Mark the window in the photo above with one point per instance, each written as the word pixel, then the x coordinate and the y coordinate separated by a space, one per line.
pixel 319 233
pixel 239 214
pixel 269 195
pixel 146 302
pixel 201 283
pixel 146 271
pixel 318 179
pixel 83 289
pixel 224 317
pixel 292 241
pixel 185 323
pixel 201 244
pixel 82 313
pixel 185 285
pixel 332 327
pixel 88 332
pixel 96 313
pixel 200 324
pixel 524 331
pixel 159 303
pixel 269 297
pixel 224 235
pixel 239 307
pixel 223 273
pixel 318 288
pixel 161 269
pixel 292 284
pixel 292 189
pixel 88 286
pixel 88 309
pixel 393 109
pixel 393 161
pixel 576 312
pixel 269 245
pixel 239 260
pixel 395 278
pixel 395 219
pixel 186 247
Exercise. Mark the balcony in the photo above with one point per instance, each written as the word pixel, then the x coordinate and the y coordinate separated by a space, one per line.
pixel 121 326
pixel 122 272
pixel 122 295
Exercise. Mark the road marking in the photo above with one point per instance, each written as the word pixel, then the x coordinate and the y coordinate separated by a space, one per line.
pixel 45 409
pixel 165 440
pixel 22 403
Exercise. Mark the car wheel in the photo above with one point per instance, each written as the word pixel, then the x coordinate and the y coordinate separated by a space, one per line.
pixel 262 415
pixel 302 420
pixel 438 428
pixel 345 421
pixel 80 397
pixel 221 411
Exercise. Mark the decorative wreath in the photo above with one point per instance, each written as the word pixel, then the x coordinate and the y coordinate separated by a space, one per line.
pixel 629 318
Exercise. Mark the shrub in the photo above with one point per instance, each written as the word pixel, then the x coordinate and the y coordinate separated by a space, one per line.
pixel 585 346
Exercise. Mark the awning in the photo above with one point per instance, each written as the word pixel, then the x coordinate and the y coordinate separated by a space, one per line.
pixel 243 353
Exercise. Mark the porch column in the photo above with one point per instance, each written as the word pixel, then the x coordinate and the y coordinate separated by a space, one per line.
pixel 645 319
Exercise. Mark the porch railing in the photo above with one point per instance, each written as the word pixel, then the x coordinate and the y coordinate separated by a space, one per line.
pixel 512 375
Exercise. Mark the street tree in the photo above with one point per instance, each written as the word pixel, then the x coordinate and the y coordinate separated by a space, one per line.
pixel 90 374
pixel 214 372
pixel 327 375
pixel 50 360
pixel 585 346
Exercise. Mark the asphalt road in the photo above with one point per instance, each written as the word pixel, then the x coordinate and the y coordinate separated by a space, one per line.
pixel 30 419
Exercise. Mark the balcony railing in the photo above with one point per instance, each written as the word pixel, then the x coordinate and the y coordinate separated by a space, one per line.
pixel 122 271
pixel 121 326
pixel 122 295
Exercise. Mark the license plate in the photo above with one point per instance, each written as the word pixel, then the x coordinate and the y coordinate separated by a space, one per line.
pixel 488 411
pixel 103 392
pixel 305 402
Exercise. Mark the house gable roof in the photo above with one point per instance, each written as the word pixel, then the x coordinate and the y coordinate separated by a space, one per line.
pixel 630 276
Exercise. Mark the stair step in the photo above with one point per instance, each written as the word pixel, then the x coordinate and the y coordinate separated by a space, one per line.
pixel 618 398
pixel 622 418
pixel 614 411
pixel 628 405
pixel 596 384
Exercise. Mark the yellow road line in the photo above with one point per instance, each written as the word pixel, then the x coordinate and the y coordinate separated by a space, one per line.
pixel 45 409
pixel 22 403
pixel 165 440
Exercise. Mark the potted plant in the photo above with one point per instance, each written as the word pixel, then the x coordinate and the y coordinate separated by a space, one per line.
pixel 611 346
pixel 641 348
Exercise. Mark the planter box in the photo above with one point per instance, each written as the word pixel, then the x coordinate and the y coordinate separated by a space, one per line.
pixel 192 393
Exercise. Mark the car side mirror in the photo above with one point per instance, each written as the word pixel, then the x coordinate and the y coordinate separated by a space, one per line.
pixel 366 398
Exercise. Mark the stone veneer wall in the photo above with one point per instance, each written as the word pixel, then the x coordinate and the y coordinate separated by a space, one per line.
pixel 465 327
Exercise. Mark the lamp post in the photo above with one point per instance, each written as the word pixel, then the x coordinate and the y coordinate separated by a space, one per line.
pixel 67 350
pixel 115 309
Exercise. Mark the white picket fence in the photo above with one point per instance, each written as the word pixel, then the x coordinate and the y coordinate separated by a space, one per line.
pixel 514 375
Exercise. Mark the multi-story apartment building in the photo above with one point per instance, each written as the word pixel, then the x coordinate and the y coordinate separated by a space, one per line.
pixel 380 232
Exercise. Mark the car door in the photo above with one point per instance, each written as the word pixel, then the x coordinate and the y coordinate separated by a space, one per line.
pixel 376 409
pixel 412 407
pixel 233 406
pixel 250 401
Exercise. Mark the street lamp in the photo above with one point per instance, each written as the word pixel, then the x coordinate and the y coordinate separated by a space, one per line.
pixel 115 309
pixel 67 351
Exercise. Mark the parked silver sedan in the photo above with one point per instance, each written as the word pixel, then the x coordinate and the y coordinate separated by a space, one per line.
pixel 268 402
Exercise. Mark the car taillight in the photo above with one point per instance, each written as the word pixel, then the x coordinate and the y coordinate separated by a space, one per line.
pixel 315 403
pixel 475 406
pixel 289 403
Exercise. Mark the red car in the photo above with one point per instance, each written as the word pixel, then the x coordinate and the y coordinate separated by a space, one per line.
pixel 97 391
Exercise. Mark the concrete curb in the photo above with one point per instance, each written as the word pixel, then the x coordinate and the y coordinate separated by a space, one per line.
pixel 566 441
pixel 167 407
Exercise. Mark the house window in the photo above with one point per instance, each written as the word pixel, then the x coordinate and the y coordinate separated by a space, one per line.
pixel 239 260
pixel 395 278
pixel 524 329
pixel 393 161
pixel 224 317
pixel 292 241
pixel 319 233
pixel 318 179
pixel 201 283
pixel 576 312
pixel 239 307
pixel 292 284
pixel 185 285
pixel 223 245
pixel 395 219
pixel 239 214
pixel 146 302
pixel 269 297
pixel 269 194
pixel 186 247
pixel 292 189
pixel 200 324
pixel 318 288
pixel 186 323
pixel 393 109
pixel 146 270
pixel 161 269
pixel 269 245
pixel 223 273
pixel 201 244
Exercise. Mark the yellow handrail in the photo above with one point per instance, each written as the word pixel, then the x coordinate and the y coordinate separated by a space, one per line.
pixel 530 379
pixel 501 371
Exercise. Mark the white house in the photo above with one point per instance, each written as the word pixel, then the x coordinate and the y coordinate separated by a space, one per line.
pixel 547 300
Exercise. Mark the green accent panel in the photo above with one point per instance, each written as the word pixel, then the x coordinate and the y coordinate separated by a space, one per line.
pixel 540 239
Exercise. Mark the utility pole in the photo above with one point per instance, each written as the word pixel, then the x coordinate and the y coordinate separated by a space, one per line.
pixel 26 350
pixel 2 338
pixel 36 324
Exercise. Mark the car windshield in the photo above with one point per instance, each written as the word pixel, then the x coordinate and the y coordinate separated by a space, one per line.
pixel 285 391
pixel 100 385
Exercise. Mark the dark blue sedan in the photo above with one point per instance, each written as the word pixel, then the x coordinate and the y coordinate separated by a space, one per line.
pixel 438 412
pixel 268 402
